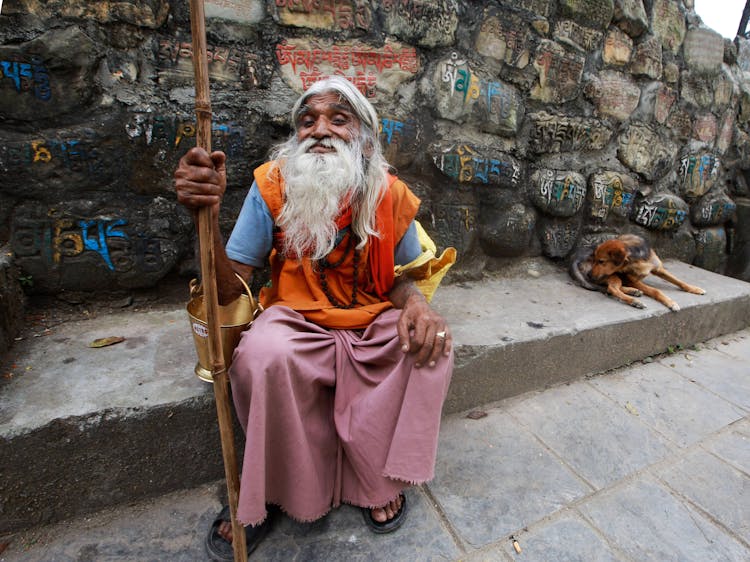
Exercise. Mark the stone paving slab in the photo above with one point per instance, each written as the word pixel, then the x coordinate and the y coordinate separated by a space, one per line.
pixel 671 404
pixel 499 476
pixel 714 486
pixel 647 522
pixel 600 440
pixel 492 467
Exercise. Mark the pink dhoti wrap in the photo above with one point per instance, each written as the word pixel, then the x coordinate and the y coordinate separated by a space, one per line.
pixel 332 416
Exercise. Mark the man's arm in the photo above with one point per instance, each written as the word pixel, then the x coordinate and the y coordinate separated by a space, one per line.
pixel 200 181
pixel 420 329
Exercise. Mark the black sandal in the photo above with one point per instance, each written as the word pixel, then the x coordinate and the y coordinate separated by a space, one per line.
pixel 220 550
pixel 386 526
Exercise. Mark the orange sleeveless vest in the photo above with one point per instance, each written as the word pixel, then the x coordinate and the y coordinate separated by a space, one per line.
pixel 297 283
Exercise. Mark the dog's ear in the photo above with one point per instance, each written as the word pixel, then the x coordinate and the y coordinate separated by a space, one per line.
pixel 619 256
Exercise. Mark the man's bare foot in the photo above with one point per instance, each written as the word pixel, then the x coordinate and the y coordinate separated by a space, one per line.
pixel 219 539
pixel 225 531
pixel 388 511
pixel 387 518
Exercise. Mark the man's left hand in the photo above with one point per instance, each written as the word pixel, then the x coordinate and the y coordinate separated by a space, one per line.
pixel 423 331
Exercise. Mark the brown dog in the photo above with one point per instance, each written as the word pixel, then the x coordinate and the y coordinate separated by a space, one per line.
pixel 623 262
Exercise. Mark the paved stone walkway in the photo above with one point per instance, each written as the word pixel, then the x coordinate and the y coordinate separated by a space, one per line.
pixel 649 462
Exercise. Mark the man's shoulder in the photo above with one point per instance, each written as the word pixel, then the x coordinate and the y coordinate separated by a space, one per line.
pixel 268 178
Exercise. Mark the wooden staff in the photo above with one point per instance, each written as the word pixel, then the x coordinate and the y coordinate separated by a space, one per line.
pixel 208 275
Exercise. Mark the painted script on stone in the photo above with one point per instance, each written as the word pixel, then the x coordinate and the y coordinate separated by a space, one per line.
pixel 680 123
pixel 174 133
pixel 647 59
pixel 467 164
pixel 726 133
pixel 559 236
pixel 710 248
pixel 113 244
pixel 662 211
pixel 577 36
pixel 426 23
pixel 536 7
pixel 712 209
pixel 665 98
pixel 594 13
pixel 504 39
pixel 399 139
pixel 225 64
pixel 26 76
pixel 611 192
pixel 705 127
pixel 305 62
pixel 550 133
pixel 618 48
pixel 80 154
pixel 614 94
pixel 703 50
pixel 245 11
pixel 668 23
pixel 324 14
pixel 557 193
pixel 463 94
pixel 698 173
pixel 560 73
pixel 150 14
pixel 642 150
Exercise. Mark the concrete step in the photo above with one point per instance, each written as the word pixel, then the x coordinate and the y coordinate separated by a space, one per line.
pixel 83 428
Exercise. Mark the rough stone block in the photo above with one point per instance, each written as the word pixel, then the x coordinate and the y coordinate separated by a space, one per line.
pixel 11 300
pixel 630 16
pixel 371 69
pixel 551 133
pixel 504 38
pixel 49 76
pixel 698 173
pixel 614 94
pixel 642 150
pixel 333 15
pixel 465 95
pixel 738 263
pixel 428 24
pixel 481 166
pixel 557 193
pixel 618 48
pixel 705 127
pixel 560 73
pixel 541 8
pixel 592 13
pixel 668 23
pixel 83 245
pixel 726 132
pixel 647 59
pixel 703 50
pixel 662 211
pixel 559 236
pixel 507 232
pixel 714 208
pixel 611 192
pixel 241 11
pixel 664 100
pixel 577 36
pixel 711 246
pixel 142 13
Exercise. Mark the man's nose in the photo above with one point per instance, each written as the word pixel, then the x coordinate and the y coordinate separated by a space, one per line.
pixel 321 129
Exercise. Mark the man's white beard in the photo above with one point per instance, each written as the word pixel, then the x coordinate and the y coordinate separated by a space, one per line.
pixel 316 185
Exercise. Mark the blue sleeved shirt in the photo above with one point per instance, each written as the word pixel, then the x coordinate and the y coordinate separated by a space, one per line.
pixel 252 237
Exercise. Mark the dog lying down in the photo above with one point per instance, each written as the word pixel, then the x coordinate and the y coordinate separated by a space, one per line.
pixel 618 266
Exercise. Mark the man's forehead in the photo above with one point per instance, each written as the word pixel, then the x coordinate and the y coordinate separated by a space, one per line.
pixel 326 101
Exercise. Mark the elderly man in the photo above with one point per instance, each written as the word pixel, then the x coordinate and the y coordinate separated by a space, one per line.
pixel 340 382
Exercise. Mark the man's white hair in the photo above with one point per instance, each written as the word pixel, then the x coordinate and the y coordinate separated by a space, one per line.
pixel 309 212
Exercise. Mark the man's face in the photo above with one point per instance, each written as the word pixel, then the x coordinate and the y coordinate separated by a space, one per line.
pixel 326 116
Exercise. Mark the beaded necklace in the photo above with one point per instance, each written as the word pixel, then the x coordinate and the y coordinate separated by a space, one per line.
pixel 324 264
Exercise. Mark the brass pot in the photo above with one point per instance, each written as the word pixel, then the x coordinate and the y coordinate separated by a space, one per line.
pixel 234 318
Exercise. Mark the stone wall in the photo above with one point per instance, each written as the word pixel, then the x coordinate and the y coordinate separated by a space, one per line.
pixel 527 127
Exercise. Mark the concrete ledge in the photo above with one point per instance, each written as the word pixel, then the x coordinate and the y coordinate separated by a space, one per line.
pixel 84 428
pixel 523 333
